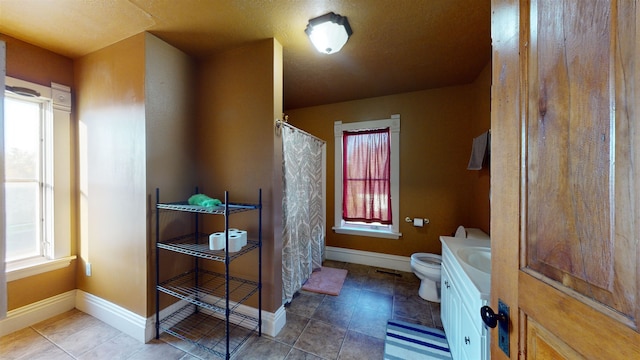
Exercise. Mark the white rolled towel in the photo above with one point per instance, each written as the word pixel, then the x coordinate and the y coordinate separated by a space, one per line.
pixel 471 233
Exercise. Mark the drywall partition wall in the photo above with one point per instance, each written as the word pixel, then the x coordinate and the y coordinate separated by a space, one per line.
pixel 480 216
pixel 239 97
pixel 31 63
pixel 435 145
pixel 273 248
pixel 110 84
pixel 170 146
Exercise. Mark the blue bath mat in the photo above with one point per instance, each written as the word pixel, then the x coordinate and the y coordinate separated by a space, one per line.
pixel 408 341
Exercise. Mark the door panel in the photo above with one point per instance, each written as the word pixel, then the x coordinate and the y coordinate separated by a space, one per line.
pixel 578 230
pixel 565 177
pixel 579 322
pixel 541 344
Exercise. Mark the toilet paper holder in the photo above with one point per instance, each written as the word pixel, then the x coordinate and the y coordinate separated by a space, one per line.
pixel 416 220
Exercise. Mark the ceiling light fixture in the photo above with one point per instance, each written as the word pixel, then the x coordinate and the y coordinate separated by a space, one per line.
pixel 329 32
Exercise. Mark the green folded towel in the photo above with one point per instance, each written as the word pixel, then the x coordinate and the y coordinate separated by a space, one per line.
pixel 203 200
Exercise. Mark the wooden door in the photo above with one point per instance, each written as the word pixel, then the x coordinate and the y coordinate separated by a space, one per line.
pixel 565 177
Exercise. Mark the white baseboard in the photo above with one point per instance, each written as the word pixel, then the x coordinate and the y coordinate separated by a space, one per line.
pixel 394 262
pixel 144 329
pixel 272 323
pixel 132 324
pixel 140 328
pixel 28 315
pixel 120 318
pixel 150 330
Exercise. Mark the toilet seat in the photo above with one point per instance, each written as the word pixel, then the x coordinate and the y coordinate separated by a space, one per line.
pixel 427 259
pixel 427 268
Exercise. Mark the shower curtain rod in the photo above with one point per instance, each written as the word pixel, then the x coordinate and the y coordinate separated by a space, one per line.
pixel 284 123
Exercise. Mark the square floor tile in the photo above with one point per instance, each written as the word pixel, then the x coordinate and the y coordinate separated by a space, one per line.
pixel 296 354
pixel 292 329
pixel 375 300
pixel 359 346
pixel 370 322
pixel 321 339
pixel 349 326
pixel 263 348
pixel 305 303
pixel 337 313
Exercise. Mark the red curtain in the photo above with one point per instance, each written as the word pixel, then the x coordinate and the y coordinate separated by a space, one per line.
pixel 366 171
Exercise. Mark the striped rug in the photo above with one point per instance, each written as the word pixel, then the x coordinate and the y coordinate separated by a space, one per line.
pixel 406 341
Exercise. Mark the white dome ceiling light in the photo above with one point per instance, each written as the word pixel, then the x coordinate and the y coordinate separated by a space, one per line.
pixel 329 32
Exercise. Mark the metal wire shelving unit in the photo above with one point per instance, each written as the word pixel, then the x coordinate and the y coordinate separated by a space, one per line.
pixel 211 317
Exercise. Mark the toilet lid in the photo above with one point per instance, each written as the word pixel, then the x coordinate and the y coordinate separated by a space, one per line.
pixel 430 260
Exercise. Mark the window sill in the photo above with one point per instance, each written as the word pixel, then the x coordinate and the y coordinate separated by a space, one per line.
pixel 369 233
pixel 28 268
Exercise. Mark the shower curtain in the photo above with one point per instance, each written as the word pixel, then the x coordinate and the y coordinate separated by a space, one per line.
pixel 303 212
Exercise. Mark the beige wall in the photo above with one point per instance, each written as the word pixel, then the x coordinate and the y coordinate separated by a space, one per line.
pixel 240 95
pixel 135 116
pixel 481 208
pixel 170 147
pixel 111 115
pixel 141 88
pixel 31 63
pixel 437 129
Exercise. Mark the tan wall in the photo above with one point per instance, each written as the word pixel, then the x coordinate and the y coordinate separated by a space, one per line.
pixel 31 63
pixel 481 210
pixel 170 146
pixel 110 84
pixel 40 287
pixel 437 129
pixel 240 95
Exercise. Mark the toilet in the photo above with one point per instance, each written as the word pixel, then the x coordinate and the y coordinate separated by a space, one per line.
pixel 427 268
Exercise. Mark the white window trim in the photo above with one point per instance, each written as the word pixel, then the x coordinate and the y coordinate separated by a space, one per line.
pixel 29 267
pixel 59 254
pixel 340 226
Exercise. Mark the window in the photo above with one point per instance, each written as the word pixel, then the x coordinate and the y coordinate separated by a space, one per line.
pixel 26 172
pixel 377 203
pixel 37 148
pixel 366 176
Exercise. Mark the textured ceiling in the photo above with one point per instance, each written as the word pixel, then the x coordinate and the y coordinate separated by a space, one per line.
pixel 397 45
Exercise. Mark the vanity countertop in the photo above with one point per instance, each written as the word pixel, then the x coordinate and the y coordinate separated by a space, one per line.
pixel 481 280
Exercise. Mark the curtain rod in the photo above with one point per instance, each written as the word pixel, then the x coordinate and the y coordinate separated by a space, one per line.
pixel 285 123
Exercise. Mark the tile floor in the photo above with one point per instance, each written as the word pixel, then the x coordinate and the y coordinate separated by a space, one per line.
pixel 349 326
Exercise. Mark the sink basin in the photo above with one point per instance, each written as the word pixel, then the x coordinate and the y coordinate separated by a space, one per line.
pixel 477 257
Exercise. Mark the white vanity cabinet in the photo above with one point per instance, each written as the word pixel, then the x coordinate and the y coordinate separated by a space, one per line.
pixel 450 311
pixel 471 339
pixel 464 292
